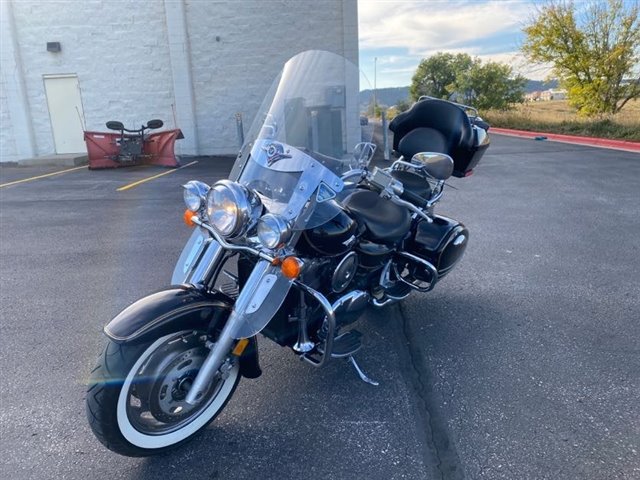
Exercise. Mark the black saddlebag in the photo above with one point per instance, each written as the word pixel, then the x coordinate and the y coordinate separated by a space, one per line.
pixel 442 243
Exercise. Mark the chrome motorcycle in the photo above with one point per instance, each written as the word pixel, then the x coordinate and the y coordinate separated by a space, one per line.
pixel 295 245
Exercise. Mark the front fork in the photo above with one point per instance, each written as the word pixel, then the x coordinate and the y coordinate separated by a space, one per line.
pixel 260 298
pixel 261 291
pixel 216 357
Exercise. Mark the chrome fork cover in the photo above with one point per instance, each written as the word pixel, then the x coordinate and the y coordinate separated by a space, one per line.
pixel 190 255
pixel 260 298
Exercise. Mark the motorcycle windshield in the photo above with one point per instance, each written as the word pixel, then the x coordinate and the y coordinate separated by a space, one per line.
pixel 306 135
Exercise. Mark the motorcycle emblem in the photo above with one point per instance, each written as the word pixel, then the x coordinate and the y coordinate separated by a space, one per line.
pixel 275 152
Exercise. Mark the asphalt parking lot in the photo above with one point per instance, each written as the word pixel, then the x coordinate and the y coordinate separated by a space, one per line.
pixel 78 247
pixel 532 350
pixel 523 363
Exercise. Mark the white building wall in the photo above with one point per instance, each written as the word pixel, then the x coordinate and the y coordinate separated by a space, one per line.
pixel 120 51
pixel 237 50
pixel 8 152
pixel 19 131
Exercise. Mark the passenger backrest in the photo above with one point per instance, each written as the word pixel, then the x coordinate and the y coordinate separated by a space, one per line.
pixel 446 118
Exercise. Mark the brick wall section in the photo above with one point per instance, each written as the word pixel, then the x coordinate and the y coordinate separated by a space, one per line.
pixel 120 53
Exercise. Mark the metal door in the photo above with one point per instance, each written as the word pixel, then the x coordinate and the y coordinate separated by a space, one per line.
pixel 65 112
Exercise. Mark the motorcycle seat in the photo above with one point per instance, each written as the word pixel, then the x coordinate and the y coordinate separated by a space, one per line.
pixel 384 221
pixel 412 182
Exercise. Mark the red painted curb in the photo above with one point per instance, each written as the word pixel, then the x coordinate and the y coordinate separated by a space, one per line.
pixel 625 145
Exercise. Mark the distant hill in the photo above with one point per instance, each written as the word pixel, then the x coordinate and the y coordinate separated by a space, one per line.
pixel 539 85
pixel 384 96
pixel 390 96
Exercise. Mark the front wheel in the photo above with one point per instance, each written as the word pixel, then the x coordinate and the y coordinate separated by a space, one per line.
pixel 136 396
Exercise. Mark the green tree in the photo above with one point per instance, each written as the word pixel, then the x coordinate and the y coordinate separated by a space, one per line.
pixel 468 80
pixel 592 53
pixel 490 85
pixel 372 111
pixel 403 105
pixel 435 76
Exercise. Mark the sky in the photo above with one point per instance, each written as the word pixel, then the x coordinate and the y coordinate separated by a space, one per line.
pixel 401 32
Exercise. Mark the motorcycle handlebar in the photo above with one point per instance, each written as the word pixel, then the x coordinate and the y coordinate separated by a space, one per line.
pixel 383 181
pixel 397 194
pixel 414 198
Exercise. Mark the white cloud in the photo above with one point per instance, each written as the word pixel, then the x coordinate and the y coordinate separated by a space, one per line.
pixel 426 26
pixel 423 28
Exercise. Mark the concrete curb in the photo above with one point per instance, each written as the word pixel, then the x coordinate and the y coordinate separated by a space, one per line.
pixel 623 145
pixel 65 160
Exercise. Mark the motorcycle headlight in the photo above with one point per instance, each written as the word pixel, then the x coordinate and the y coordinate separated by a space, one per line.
pixel 273 231
pixel 195 194
pixel 231 208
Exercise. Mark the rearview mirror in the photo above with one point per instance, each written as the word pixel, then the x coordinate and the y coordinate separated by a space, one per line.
pixel 363 153
pixel 153 124
pixel 438 165
pixel 113 125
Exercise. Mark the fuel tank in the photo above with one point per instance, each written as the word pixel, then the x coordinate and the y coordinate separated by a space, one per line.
pixel 335 237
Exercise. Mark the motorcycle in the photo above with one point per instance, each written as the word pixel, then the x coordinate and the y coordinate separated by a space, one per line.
pixel 300 239
pixel 112 150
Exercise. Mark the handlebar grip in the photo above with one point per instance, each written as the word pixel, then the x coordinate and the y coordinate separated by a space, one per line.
pixel 417 200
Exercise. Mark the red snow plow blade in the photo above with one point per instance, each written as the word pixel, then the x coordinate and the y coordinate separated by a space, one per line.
pixel 158 149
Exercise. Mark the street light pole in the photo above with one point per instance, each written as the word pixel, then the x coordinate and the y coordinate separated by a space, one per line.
pixel 375 72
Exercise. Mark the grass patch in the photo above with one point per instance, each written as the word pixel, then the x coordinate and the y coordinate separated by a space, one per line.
pixel 558 117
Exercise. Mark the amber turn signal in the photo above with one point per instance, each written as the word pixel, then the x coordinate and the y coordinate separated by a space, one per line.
pixel 240 346
pixel 291 267
pixel 187 217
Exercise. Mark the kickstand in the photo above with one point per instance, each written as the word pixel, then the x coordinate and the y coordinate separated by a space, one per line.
pixel 361 374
